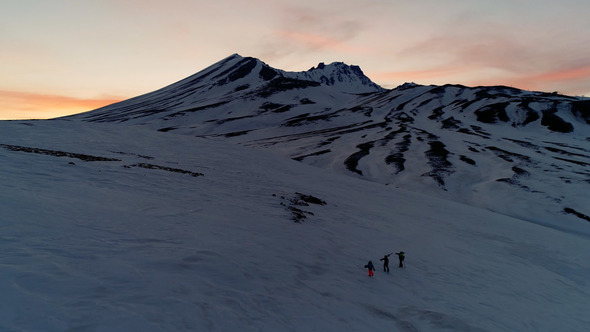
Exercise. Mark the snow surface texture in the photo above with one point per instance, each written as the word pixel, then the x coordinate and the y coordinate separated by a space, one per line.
pixel 205 240
pixel 248 198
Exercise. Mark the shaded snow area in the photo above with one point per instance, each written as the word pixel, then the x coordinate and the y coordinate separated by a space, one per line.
pixel 111 228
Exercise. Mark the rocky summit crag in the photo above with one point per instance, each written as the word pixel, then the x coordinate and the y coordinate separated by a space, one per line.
pixel 461 143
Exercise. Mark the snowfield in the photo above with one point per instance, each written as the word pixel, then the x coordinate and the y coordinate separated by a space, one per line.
pixel 122 228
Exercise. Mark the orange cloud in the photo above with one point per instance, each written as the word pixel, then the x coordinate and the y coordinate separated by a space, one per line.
pixel 25 105
pixel 574 81
pixel 564 75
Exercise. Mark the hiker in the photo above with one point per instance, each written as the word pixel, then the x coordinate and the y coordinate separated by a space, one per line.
pixel 370 267
pixel 401 258
pixel 385 260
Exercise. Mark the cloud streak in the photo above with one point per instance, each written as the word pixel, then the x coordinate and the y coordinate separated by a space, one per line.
pixel 574 80
pixel 411 75
pixel 317 42
pixel 312 31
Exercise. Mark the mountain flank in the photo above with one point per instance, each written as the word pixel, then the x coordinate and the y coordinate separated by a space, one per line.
pixel 452 141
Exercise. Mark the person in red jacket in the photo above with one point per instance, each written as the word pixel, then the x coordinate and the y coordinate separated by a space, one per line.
pixel 370 267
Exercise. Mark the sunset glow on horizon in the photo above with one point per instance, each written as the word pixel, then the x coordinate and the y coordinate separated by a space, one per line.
pixel 24 105
pixel 64 57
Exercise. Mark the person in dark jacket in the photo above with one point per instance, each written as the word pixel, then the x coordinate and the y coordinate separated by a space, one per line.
pixel 370 267
pixel 401 256
pixel 385 260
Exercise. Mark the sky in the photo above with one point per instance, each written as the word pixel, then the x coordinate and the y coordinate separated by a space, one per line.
pixel 60 57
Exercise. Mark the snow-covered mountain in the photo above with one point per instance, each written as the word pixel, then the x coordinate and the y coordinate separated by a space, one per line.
pixel 246 198
pixel 460 143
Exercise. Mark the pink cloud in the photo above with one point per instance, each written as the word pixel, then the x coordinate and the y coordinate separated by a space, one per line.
pixel 573 81
pixel 412 75
pixel 477 50
pixel 473 58
pixel 579 73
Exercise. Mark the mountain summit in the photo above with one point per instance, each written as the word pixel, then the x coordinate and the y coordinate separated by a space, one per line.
pixel 342 76
pixel 452 141
pixel 232 78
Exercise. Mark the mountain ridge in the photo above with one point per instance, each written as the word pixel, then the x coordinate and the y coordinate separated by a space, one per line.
pixel 424 138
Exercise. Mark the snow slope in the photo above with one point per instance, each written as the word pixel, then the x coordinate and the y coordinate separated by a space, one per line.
pixel 111 229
